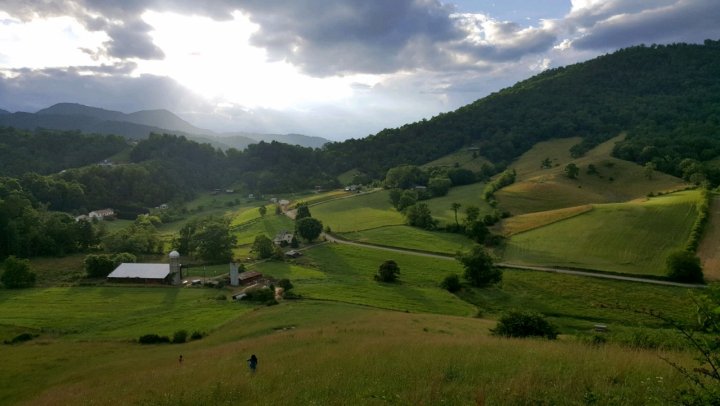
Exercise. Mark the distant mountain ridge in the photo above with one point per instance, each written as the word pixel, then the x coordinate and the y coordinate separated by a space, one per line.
pixel 138 125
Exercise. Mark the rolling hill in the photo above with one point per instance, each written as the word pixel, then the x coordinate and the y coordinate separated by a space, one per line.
pixel 137 125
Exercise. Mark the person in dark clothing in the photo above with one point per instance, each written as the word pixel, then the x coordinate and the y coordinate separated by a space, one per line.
pixel 252 363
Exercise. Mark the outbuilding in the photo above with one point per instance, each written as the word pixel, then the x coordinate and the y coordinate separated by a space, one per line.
pixel 141 273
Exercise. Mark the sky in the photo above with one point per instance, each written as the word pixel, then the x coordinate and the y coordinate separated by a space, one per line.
pixel 337 69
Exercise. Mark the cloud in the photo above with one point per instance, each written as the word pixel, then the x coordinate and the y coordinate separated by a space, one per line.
pixel 616 24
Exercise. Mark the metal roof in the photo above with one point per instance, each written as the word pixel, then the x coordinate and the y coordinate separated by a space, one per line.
pixel 145 271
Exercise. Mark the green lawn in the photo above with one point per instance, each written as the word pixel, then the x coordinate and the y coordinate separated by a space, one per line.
pixel 632 237
pixel 115 312
pixel 413 238
pixel 344 273
pixel 362 212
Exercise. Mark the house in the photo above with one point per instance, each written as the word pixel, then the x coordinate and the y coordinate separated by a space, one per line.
pixel 283 238
pixel 82 217
pixel 141 273
pixel 284 203
pixel 273 200
pixel 293 254
pixel 104 214
pixel 246 278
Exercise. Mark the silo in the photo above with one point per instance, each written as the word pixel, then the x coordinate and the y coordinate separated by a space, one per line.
pixel 175 270
pixel 234 274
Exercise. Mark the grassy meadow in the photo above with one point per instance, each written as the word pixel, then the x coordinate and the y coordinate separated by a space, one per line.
pixel 463 159
pixel 616 180
pixel 365 211
pixel 413 238
pixel 329 353
pixel 269 225
pixel 633 237
pixel 709 249
pixel 466 195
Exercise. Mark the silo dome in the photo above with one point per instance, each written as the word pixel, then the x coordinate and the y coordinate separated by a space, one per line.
pixel 174 254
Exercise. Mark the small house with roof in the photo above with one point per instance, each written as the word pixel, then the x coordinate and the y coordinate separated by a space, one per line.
pixel 104 214
pixel 283 238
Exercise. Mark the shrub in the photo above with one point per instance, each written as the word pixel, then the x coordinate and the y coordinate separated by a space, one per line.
pixel 388 271
pixel 17 273
pixel 98 266
pixel 196 335
pixel 180 337
pixel 20 338
pixel 451 283
pixel 153 339
pixel 285 284
pixel 684 266
pixel 480 271
pixel 524 324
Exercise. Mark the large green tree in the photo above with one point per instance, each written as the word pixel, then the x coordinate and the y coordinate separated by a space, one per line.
pixel 263 247
pixel 480 269
pixel 309 228
pixel 213 240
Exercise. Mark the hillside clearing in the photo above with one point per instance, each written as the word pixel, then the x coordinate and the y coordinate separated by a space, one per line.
pixel 413 238
pixel 526 222
pixel 632 237
pixel 362 212
pixel 709 249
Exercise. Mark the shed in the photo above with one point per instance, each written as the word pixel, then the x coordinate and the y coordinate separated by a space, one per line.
pixel 293 254
pixel 141 273
pixel 249 277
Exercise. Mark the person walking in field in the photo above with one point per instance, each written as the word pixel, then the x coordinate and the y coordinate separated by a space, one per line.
pixel 252 363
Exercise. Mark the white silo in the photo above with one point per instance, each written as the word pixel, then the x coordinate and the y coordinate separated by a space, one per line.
pixel 175 270
pixel 234 274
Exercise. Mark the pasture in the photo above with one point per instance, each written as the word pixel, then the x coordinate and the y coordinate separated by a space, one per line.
pixel 614 181
pixel 269 225
pixel 633 237
pixel 463 159
pixel 413 238
pixel 466 195
pixel 709 249
pixel 362 212
pixel 304 347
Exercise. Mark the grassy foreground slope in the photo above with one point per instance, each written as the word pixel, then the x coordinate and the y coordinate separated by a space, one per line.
pixel 633 237
pixel 325 353
pixel 615 180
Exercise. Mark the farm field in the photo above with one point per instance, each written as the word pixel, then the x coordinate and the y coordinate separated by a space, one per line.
pixel 463 158
pixel 365 211
pixel 525 222
pixel 548 189
pixel 633 237
pixel 466 195
pixel 345 273
pixel 413 238
pixel 269 225
pixel 432 359
pixel 709 249
pixel 114 313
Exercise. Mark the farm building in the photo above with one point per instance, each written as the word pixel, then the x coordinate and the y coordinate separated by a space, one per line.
pixel 283 238
pixel 149 273
pixel 293 254
pixel 103 214
pixel 249 277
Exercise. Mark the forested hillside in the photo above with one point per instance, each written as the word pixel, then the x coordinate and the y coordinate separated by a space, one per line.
pixel 666 97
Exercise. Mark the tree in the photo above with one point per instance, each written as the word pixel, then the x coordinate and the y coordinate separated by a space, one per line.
pixel 309 228
pixel 302 211
pixel 684 266
pixel 262 247
pixel 213 241
pixel 477 231
pixel 395 195
pixel 388 271
pixel 98 265
pixel 407 199
pixel 455 207
pixel 451 283
pixel 263 210
pixel 17 273
pixel 480 270
pixel 524 324
pixel 472 213
pixel 418 215
pixel 439 186
pixel 649 170
pixel 546 163
pixel 572 170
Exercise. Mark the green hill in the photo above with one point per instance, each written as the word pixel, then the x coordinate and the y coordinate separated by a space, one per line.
pixel 633 237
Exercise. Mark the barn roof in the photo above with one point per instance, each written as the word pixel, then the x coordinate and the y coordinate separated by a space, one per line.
pixel 144 271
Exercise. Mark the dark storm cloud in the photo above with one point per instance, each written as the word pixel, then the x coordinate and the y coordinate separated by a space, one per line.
pixel 682 21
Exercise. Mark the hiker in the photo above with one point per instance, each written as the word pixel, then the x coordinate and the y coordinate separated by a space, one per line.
pixel 252 363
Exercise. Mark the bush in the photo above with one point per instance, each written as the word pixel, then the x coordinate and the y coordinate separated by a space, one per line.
pixel 153 339
pixel 98 266
pixel 451 283
pixel 180 337
pixel 196 335
pixel 524 324
pixel 285 284
pixel 684 266
pixel 480 271
pixel 388 271
pixel 20 338
pixel 17 273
